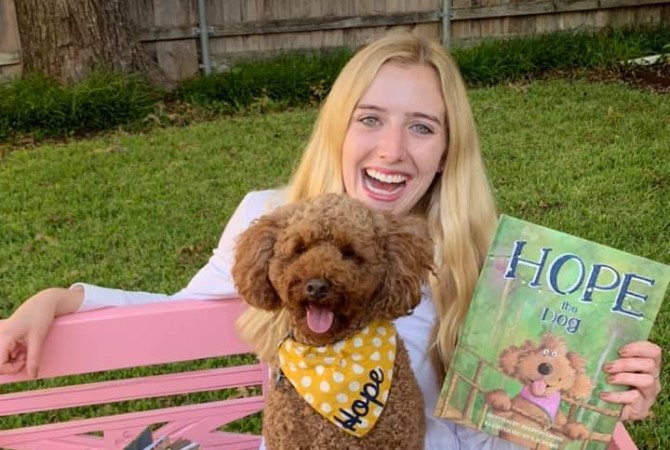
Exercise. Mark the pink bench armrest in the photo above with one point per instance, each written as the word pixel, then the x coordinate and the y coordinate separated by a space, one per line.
pixel 116 338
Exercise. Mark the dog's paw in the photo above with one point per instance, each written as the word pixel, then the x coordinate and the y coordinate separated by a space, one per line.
pixel 499 400
pixel 542 419
pixel 574 430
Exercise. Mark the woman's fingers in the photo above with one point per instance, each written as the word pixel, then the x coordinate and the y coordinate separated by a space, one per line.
pixel 642 349
pixel 648 384
pixel 12 356
pixel 635 406
pixel 633 365
pixel 639 367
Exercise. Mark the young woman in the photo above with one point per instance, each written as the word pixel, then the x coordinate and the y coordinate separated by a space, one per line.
pixel 396 132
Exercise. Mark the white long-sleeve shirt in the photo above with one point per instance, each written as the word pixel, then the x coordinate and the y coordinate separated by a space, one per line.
pixel 214 282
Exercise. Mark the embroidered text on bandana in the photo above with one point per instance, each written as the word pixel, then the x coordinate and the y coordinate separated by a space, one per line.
pixel 347 382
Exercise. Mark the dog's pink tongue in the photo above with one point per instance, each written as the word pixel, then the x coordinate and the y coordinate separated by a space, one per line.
pixel 539 387
pixel 319 320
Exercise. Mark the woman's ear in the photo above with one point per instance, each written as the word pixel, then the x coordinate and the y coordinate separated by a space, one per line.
pixel 253 252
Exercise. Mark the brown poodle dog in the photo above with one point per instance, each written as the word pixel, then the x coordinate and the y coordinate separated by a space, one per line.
pixel 342 272
pixel 547 372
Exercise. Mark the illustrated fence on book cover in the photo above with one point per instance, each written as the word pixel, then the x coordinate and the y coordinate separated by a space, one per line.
pixel 549 310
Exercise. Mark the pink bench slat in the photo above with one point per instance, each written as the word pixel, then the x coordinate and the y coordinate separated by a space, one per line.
pixel 130 389
pixel 224 411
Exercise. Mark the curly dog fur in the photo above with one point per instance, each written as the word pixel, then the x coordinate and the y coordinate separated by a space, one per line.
pixel 547 370
pixel 372 265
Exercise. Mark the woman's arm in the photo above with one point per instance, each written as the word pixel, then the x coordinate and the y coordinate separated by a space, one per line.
pixel 21 335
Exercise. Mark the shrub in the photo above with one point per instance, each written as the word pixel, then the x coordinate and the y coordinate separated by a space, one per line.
pixel 291 78
pixel 494 61
pixel 37 104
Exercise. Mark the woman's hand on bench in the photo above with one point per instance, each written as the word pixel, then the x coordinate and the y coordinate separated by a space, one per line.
pixel 23 333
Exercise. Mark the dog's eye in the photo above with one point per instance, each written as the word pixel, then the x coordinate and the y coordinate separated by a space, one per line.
pixel 554 353
pixel 545 352
pixel 348 252
pixel 299 248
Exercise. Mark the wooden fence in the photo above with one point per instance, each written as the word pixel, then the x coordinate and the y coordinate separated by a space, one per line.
pixel 237 29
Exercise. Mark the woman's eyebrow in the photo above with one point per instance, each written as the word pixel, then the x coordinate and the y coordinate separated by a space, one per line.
pixel 372 107
pixel 416 114
pixel 427 117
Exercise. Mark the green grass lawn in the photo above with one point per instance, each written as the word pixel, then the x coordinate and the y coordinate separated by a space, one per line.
pixel 142 212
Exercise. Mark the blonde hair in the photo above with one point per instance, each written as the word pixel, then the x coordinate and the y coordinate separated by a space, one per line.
pixel 459 206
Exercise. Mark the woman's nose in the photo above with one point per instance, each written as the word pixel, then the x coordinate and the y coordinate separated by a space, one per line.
pixel 391 145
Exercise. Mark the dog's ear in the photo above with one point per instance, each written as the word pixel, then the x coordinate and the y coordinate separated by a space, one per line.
pixel 253 251
pixel 409 253
pixel 509 358
pixel 581 389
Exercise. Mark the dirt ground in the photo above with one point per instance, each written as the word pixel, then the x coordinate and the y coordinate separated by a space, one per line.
pixel 654 77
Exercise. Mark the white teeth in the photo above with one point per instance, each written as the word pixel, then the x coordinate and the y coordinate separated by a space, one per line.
pixel 385 178
pixel 378 191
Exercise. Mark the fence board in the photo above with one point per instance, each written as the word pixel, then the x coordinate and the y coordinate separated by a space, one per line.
pixel 251 28
pixel 178 59
pixel 544 7
pixel 291 25
pixel 10 45
pixel 9 58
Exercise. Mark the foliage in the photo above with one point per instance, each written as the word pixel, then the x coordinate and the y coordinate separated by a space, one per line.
pixel 37 104
pixel 496 61
pixel 291 79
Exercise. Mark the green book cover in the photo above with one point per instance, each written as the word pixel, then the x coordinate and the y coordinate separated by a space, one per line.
pixel 548 311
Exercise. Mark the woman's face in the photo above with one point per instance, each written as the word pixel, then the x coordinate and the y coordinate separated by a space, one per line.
pixel 396 138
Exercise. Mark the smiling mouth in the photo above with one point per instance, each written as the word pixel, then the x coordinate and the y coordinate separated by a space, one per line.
pixel 382 183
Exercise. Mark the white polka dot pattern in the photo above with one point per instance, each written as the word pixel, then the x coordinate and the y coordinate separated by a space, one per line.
pixel 345 382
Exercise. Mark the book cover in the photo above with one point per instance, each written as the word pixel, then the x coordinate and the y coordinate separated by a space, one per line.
pixel 549 309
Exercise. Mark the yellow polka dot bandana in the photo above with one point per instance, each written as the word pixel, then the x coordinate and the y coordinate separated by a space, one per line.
pixel 347 382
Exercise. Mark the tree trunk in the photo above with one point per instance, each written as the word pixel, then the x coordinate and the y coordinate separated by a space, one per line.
pixel 67 39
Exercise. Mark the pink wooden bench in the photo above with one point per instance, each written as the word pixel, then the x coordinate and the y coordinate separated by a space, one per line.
pixel 141 336
pixel 116 338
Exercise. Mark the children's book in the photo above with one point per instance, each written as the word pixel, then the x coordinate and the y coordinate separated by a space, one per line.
pixel 549 310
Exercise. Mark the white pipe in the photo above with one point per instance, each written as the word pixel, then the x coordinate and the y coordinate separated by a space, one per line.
pixel 204 37
pixel 446 23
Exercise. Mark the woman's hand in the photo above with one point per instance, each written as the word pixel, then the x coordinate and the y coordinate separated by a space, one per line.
pixel 639 367
pixel 22 335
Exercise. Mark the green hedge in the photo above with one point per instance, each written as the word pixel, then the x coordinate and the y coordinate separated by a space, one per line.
pixel 36 104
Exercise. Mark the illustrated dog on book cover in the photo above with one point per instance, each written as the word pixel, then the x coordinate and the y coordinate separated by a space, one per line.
pixel 342 377
pixel 547 372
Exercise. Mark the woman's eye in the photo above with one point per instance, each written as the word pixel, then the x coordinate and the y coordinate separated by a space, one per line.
pixel 422 129
pixel 369 121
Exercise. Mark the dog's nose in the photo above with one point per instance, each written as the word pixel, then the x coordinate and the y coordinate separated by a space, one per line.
pixel 545 368
pixel 316 288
